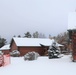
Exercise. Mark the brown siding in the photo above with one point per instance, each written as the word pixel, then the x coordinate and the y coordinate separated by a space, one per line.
pixel 24 50
pixel 6 51
pixel 13 46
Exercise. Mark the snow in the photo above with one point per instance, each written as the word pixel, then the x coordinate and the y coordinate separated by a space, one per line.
pixel 5 47
pixel 32 41
pixel 72 20
pixel 41 66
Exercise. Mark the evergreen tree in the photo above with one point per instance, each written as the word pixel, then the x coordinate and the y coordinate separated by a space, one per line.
pixel 14 36
pixel 19 36
pixel 28 35
pixel 2 42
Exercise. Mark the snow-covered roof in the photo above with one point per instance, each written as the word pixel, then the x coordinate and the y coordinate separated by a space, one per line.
pixel 5 47
pixel 72 20
pixel 33 41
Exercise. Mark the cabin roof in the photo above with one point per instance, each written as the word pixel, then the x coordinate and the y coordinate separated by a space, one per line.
pixel 5 47
pixel 34 41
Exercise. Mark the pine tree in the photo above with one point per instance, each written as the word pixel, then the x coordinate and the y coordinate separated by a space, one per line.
pixel 28 35
pixel 2 42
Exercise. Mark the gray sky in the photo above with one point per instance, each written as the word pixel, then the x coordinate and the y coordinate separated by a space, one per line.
pixel 46 16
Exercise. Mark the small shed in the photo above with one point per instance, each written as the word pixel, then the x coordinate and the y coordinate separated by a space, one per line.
pixel 25 45
pixel 5 49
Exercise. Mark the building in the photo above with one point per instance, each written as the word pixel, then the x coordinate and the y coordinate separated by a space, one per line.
pixel 5 49
pixel 25 45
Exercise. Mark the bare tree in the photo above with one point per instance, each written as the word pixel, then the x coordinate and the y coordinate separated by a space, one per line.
pixel 63 38
pixel 41 35
pixel 36 34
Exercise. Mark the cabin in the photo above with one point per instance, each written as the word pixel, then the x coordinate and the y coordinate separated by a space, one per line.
pixel 72 33
pixel 25 45
pixel 5 49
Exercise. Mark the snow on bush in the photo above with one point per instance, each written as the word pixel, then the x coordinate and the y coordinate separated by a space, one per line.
pixel 31 56
pixel 53 51
pixel 15 53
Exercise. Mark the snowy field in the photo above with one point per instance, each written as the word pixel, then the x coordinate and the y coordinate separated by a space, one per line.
pixel 41 66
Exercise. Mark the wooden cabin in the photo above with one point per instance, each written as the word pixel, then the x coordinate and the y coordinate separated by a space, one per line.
pixel 5 49
pixel 25 45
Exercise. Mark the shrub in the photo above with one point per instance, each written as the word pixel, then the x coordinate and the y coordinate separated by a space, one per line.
pixel 31 56
pixel 15 53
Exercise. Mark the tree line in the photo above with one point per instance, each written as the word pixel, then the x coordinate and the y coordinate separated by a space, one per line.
pixel 61 38
pixel 34 35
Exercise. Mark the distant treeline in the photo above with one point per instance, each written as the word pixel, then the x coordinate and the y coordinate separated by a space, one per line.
pixel 61 38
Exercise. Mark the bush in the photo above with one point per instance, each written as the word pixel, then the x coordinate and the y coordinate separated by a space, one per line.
pixel 15 53
pixel 31 56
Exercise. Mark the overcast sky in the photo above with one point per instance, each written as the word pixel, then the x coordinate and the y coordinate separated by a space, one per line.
pixel 45 16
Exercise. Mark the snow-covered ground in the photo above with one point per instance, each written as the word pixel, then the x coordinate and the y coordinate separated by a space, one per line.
pixel 41 66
